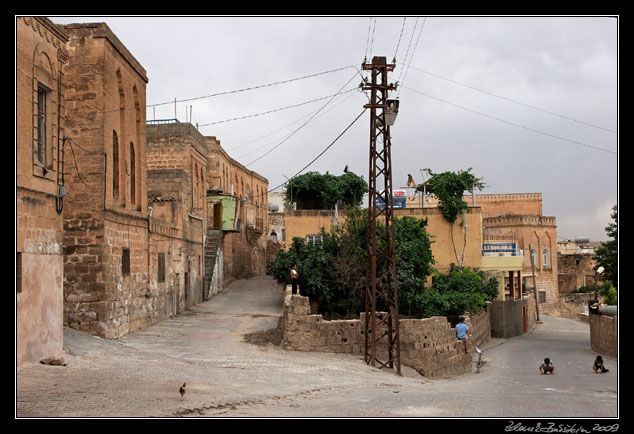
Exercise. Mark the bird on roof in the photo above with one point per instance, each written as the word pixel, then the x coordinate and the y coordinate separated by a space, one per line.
pixel 182 390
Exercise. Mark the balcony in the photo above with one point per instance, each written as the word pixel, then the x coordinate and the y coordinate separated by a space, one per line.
pixel 500 249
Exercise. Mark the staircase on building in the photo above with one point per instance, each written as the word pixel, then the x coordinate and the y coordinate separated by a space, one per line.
pixel 212 246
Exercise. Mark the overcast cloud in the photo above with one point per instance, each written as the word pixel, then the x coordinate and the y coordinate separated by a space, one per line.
pixel 455 98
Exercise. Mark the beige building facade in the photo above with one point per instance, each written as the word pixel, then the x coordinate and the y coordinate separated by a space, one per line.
pixel 105 216
pixel 40 115
pixel 467 237
pixel 237 200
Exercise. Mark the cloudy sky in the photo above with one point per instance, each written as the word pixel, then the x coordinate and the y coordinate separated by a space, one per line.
pixel 529 103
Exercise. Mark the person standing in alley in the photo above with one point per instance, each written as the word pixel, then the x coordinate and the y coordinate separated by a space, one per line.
pixel 294 277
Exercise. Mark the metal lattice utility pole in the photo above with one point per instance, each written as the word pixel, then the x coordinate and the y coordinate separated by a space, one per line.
pixel 381 291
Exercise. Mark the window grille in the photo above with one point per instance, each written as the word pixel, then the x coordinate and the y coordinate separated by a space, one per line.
pixel 41 125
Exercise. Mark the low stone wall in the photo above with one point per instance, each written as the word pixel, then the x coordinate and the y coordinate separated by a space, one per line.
pixel 604 334
pixel 574 305
pixel 428 345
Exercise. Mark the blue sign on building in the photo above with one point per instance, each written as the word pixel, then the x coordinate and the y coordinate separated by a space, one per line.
pixel 397 202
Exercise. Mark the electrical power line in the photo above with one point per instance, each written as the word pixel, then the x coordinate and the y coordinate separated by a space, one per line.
pixel 252 87
pixel 276 110
pixel 511 123
pixel 285 126
pixel 304 124
pixel 399 38
pixel 322 152
pixel 367 42
pixel 408 46
pixel 512 100
pixel 410 57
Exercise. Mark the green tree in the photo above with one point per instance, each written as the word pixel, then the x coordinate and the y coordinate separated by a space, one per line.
pixel 607 255
pixel 608 291
pixel 414 260
pixel 449 188
pixel 313 190
pixel 314 267
pixel 334 270
pixel 460 290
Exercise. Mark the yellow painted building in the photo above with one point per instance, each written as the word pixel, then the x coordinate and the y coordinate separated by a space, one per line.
pixel 467 238
pixel 466 246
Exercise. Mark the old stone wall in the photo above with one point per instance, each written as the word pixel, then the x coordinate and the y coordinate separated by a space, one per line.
pixel 604 334
pixel 531 314
pixel 244 255
pixel 106 239
pixel 39 274
pixel 428 345
pixel 40 88
pixel 574 306
pixel 575 271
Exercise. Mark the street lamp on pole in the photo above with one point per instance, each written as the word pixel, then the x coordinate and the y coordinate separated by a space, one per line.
pixel 600 270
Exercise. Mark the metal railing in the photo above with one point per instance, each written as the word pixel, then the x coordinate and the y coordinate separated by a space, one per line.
pixel 500 249
pixel 163 121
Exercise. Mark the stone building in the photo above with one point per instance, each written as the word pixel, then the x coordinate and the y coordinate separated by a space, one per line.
pixel 518 219
pixel 209 206
pixel 515 220
pixel 237 200
pixel 124 233
pixel 276 210
pixel 575 263
pixel 106 237
pixel 176 163
pixel 40 56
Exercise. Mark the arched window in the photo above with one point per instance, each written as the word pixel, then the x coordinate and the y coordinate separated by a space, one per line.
pixel 115 165
pixel 203 191
pixel 45 101
pixel 132 174
pixel 119 192
pixel 196 185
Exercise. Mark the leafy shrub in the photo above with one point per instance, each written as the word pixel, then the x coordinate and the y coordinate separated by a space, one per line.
pixel 461 290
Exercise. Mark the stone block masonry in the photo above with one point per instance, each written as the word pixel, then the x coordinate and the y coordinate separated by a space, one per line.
pixel 604 334
pixel 106 237
pixel 428 345
pixel 40 117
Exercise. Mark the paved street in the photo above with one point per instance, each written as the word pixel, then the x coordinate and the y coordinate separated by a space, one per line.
pixel 228 376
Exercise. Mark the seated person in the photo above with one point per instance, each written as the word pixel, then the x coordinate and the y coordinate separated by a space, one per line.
pixel 547 367
pixel 598 366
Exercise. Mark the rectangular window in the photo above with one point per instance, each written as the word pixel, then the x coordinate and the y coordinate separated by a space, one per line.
pixel 18 272
pixel 125 261
pixel 314 238
pixel 542 296
pixel 161 267
pixel 41 125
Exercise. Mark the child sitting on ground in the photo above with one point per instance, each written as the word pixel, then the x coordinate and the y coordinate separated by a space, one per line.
pixel 598 366
pixel 547 367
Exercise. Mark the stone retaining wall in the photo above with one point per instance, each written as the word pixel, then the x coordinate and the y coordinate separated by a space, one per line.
pixel 428 345
pixel 604 334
